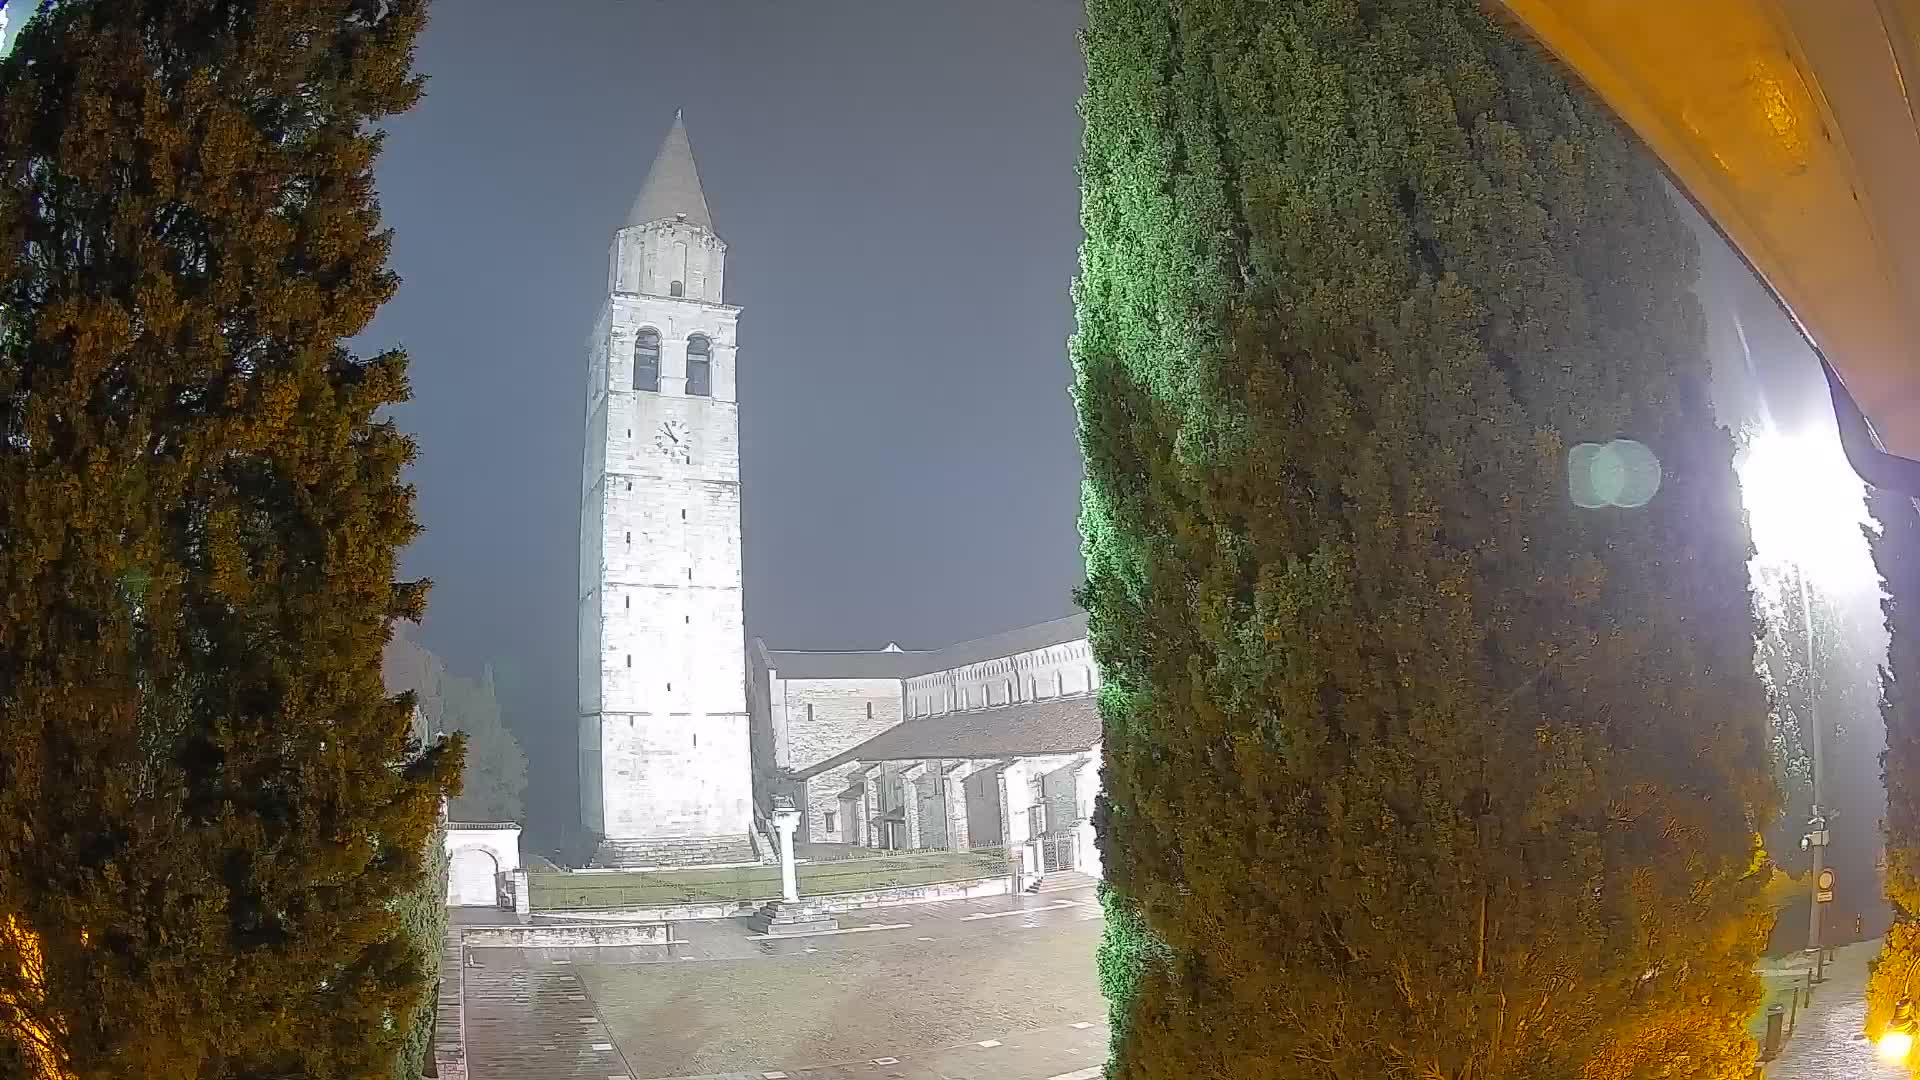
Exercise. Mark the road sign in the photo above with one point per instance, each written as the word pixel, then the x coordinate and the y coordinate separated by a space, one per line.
pixel 1824 896
pixel 1826 880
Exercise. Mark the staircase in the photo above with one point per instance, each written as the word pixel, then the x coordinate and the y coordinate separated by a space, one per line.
pixel 774 917
pixel 675 851
pixel 1062 881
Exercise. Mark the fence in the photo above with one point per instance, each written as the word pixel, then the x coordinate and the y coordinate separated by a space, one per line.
pixel 826 877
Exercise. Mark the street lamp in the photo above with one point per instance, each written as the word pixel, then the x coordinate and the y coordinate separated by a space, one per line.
pixel 1806 507
pixel 1896 1042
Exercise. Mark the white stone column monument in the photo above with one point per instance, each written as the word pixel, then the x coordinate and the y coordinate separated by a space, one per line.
pixel 786 819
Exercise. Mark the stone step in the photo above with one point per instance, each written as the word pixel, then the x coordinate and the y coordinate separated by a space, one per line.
pixel 674 851
pixel 774 917
pixel 1063 881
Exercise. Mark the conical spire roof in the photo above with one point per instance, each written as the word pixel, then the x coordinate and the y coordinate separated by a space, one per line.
pixel 672 189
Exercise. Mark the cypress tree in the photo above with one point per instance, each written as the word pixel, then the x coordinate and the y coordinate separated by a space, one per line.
pixel 1896 552
pixel 1412 766
pixel 210 808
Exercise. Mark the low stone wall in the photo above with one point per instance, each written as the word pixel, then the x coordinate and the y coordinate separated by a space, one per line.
pixel 566 935
pixel 835 902
pixel 450 1013
pixel 905 894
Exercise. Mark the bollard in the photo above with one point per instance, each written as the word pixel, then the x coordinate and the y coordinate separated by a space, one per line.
pixel 1776 1025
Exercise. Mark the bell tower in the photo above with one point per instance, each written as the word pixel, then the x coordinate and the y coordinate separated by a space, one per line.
pixel 665 774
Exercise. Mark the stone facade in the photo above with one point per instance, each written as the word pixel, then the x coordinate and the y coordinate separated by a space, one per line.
pixel 818 718
pixel 984 744
pixel 663 727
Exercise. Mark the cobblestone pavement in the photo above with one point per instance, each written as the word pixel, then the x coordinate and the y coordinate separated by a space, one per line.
pixel 994 989
pixel 1827 1042
pixel 1057 1053
pixel 534 1022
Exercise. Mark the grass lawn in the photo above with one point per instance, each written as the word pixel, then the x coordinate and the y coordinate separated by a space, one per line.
pixel 644 888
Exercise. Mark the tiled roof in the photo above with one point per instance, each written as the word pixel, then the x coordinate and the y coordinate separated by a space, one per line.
pixel 896 664
pixel 1023 729
pixel 847 665
pixel 1008 643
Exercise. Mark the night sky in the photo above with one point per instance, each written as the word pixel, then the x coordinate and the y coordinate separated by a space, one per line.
pixel 895 181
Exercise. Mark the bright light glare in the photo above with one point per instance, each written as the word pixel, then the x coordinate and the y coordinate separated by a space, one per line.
pixel 1806 506
pixel 1894 1046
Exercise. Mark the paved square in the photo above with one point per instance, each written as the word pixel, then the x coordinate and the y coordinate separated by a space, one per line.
pixel 1001 989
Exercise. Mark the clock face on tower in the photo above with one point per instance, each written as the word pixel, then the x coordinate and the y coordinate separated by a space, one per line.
pixel 673 442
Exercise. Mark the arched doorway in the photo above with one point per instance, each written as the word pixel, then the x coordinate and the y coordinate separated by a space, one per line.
pixel 472 879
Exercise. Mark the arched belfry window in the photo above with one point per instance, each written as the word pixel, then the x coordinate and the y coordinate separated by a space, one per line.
pixel 677 289
pixel 646 360
pixel 699 366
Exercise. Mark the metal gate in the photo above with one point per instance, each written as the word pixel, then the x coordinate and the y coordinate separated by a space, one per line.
pixel 1057 849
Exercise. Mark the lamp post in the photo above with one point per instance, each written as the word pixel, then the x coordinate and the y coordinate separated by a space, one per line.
pixel 1805 507
pixel 1816 818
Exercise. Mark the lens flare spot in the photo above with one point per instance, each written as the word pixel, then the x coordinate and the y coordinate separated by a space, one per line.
pixel 1622 473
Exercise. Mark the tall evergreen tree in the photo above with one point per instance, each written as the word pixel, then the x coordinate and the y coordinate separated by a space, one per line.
pixel 210 808
pixel 495 778
pixel 1896 552
pixel 1412 767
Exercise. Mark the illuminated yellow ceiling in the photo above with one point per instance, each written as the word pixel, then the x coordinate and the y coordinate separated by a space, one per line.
pixel 1791 124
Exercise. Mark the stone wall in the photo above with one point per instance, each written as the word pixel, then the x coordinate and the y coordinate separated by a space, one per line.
pixel 797 723
pixel 567 935
pixel 814 719
pixel 1036 675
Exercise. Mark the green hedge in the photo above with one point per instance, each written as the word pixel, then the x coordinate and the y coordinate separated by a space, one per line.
pixel 423 915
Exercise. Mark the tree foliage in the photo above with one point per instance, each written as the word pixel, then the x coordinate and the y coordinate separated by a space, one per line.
pixel 1842 679
pixel 1412 769
pixel 495 778
pixel 1896 553
pixel 494 782
pixel 209 805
